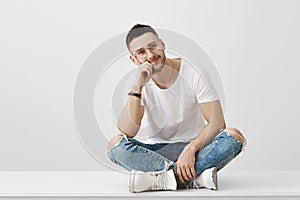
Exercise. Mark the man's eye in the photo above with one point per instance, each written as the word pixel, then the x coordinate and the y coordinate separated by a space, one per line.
pixel 142 51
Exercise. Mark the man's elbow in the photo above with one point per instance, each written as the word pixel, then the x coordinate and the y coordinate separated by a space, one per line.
pixel 128 133
pixel 218 125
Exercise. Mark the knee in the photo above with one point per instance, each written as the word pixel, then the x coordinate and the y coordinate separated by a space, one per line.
pixel 236 134
pixel 114 141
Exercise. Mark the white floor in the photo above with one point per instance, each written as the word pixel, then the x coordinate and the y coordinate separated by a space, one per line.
pixel 115 184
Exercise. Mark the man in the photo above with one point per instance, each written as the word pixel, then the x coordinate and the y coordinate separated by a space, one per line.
pixel 178 110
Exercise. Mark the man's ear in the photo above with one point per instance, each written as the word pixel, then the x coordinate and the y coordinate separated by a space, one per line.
pixel 133 59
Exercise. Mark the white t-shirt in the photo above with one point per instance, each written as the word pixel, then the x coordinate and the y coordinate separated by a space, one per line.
pixel 173 114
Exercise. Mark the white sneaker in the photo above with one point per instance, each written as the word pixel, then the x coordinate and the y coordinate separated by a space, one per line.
pixel 208 179
pixel 145 181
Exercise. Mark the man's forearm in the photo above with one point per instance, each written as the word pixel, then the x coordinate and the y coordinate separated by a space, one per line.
pixel 212 112
pixel 132 113
pixel 205 136
pixel 129 121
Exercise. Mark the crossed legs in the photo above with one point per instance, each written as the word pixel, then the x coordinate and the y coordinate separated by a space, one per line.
pixel 134 155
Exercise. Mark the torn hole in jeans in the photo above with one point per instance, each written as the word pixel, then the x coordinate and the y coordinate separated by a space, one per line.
pixel 244 144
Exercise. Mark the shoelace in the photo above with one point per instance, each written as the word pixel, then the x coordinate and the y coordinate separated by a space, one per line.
pixel 194 184
pixel 159 180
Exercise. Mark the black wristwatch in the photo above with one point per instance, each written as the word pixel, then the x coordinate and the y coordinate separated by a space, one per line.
pixel 135 94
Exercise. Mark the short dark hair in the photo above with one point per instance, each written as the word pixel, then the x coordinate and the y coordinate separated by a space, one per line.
pixel 138 30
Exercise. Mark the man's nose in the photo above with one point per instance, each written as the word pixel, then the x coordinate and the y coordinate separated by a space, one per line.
pixel 150 54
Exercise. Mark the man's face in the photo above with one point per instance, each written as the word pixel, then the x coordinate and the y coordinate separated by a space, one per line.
pixel 148 47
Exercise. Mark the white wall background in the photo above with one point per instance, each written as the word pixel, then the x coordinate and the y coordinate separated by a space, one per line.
pixel 255 45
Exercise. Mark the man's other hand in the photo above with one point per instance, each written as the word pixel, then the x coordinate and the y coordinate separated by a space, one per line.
pixel 186 165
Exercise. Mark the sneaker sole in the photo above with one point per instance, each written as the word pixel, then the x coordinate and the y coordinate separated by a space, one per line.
pixel 131 181
pixel 215 178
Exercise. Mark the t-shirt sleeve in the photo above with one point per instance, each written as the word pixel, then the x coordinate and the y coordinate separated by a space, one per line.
pixel 204 88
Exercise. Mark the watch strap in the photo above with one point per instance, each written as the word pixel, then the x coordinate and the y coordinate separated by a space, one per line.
pixel 135 94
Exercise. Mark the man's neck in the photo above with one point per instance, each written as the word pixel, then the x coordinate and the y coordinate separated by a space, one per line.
pixel 168 75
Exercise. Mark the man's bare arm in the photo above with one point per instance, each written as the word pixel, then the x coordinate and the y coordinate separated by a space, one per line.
pixel 213 114
pixel 129 121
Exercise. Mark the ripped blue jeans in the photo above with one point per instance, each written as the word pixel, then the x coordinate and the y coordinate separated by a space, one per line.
pixel 135 155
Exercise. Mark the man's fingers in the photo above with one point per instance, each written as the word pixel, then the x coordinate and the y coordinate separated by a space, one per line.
pixel 147 71
pixel 147 65
pixel 188 174
pixel 184 175
pixel 179 175
pixel 193 172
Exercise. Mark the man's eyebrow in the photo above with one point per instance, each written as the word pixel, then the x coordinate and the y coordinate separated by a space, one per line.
pixel 147 46
pixel 151 43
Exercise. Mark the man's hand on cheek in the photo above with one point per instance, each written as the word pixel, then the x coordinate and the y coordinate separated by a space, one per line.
pixel 143 76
